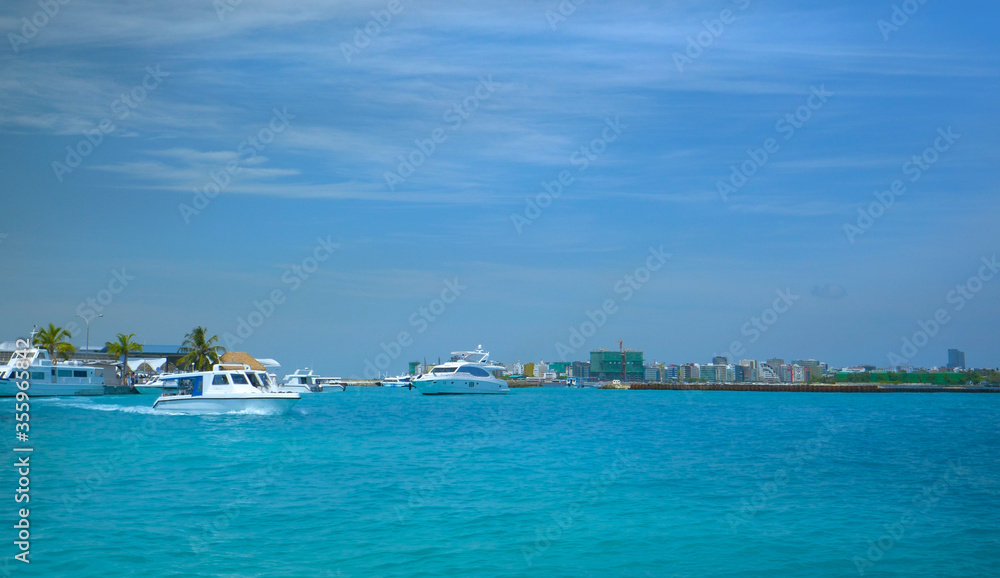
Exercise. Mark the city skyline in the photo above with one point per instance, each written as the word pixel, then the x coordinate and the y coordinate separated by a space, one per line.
pixel 498 174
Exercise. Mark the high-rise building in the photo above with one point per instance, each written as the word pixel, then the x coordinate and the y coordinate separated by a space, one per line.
pixel 580 369
pixel 607 365
pixel 956 359
pixel 672 372
pixel 815 368
pixel 740 373
pixel 775 364
pixel 529 369
pixel 653 374
pixel 720 360
pixel 750 372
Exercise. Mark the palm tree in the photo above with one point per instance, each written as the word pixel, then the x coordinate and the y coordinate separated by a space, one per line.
pixel 53 339
pixel 200 350
pixel 122 348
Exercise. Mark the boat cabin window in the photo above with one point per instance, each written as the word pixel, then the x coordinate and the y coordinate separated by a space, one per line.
pixel 38 375
pixel 473 370
pixel 253 380
pixel 443 370
pixel 79 373
pixel 239 378
pixel 65 373
pixel 220 379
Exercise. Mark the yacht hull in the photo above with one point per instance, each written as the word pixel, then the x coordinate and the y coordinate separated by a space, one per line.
pixel 275 403
pixel 460 386
pixel 8 388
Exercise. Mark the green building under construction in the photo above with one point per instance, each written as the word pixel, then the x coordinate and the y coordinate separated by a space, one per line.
pixel 607 365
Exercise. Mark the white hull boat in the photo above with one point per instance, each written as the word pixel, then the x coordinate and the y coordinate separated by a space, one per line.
pixel 269 403
pixel 469 372
pixel 228 388
pixel 46 378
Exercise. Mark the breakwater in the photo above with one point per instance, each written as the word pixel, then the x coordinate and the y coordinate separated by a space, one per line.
pixel 795 387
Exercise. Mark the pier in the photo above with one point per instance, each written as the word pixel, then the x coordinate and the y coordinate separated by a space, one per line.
pixel 792 387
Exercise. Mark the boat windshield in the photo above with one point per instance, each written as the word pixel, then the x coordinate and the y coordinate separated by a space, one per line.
pixel 443 370
pixel 473 370
pixel 253 380
pixel 238 378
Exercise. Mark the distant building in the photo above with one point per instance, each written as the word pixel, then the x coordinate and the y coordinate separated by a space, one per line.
pixel 559 367
pixel 653 374
pixel 785 372
pixel 529 369
pixel 580 369
pixel 671 373
pixel 720 360
pixel 800 374
pixel 775 364
pixel 690 371
pixel 815 368
pixel 956 359
pixel 750 369
pixel 607 365
pixel 740 373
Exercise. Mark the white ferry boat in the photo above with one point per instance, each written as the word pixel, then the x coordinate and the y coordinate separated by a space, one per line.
pixel 469 372
pixel 305 381
pixel 49 379
pixel 398 381
pixel 227 388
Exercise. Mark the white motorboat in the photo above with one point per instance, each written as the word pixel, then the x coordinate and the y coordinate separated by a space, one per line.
pixel 226 388
pixel 305 381
pixel 469 372
pixel 154 386
pixel 398 381
pixel 46 378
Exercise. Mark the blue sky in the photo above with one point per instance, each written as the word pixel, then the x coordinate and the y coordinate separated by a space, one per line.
pixel 531 90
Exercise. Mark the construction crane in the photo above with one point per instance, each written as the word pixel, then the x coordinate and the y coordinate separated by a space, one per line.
pixel 621 349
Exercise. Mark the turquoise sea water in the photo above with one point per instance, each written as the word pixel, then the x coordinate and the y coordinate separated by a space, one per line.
pixel 540 482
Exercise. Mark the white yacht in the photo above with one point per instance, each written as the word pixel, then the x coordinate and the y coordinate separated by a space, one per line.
pixel 49 379
pixel 467 372
pixel 226 388
pixel 305 381
pixel 398 381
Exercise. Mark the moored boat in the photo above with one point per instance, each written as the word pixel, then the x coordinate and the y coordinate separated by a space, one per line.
pixel 46 378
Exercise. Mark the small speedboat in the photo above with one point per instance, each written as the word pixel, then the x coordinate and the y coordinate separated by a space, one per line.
pixel 226 388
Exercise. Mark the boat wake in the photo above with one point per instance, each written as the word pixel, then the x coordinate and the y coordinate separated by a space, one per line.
pixel 138 409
